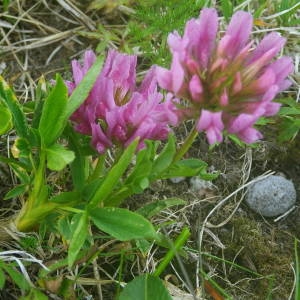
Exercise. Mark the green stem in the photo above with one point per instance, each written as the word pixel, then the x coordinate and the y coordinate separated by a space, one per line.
pixel 34 198
pixel 186 145
pixel 179 242
pixel 28 219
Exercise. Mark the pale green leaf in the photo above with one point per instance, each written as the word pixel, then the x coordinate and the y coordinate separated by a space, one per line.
pixel 154 208
pixel 145 287
pixel 122 224
pixel 11 101
pixel 78 238
pixel 5 120
pixel 82 90
pixel 58 157
pixel 53 115
pixel 2 279
pixel 113 176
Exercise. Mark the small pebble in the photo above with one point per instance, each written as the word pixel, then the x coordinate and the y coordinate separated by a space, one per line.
pixel 197 184
pixel 177 179
pixel 271 196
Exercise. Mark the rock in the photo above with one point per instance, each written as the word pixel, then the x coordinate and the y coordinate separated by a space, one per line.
pixel 197 184
pixel 271 196
pixel 177 179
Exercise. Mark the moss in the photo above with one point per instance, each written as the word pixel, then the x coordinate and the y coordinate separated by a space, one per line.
pixel 265 250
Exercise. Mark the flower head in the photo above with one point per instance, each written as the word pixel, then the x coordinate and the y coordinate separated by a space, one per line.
pixel 227 83
pixel 116 110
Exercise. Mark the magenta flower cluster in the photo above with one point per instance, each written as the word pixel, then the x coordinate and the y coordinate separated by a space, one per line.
pixel 222 81
pixel 227 84
pixel 116 111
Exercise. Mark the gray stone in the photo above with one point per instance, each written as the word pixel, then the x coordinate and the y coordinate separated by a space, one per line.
pixel 271 196
pixel 177 179
pixel 197 184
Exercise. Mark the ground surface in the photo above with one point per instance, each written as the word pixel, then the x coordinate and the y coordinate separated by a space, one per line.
pixel 40 38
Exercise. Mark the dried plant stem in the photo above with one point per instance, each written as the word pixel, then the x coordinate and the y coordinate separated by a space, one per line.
pixel 8 231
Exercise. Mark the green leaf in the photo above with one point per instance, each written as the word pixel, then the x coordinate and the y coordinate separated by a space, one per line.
pixel 34 294
pixel 82 90
pixel 288 132
pixel 41 93
pixel 21 173
pixel 80 165
pixel 5 119
pixel 52 120
pixel 66 197
pixel 113 176
pixel 6 4
pixel 16 276
pixel 185 168
pixel 58 157
pixel 122 224
pixel 21 148
pixel 289 111
pixel 154 208
pixel 165 158
pixel 78 238
pixel 145 287
pixel 2 279
pixel 9 98
pixel 227 9
pixel 138 178
pixel 15 192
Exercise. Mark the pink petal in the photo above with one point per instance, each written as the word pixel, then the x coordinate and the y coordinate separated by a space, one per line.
pixel 250 135
pixel 205 120
pixel 212 124
pixel 149 84
pixel 164 78
pixel 273 41
pixel 192 65
pixel 238 31
pixel 70 85
pixel 141 132
pixel 224 98
pixel 177 44
pixel 214 135
pixel 208 26
pixel 121 69
pixel 177 73
pixel 89 59
pixel 272 109
pixel 282 67
pixel 217 120
pixel 270 93
pixel 210 119
pixel 77 72
pixel 195 87
pixel 241 122
pixel 285 84
pixel 263 83
pixel 99 139
pixel 237 84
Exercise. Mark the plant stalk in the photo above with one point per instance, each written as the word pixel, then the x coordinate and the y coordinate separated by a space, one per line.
pixel 174 248
pixel 186 145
